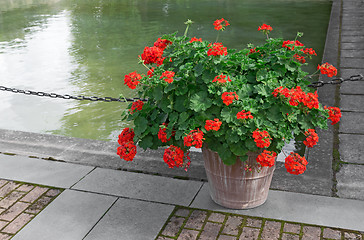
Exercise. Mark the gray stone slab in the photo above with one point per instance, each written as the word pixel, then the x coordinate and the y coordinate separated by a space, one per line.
pixel 352 122
pixel 354 103
pixel 50 173
pixel 297 207
pixel 353 46
pixel 69 217
pixel 352 62
pixel 350 182
pixel 352 53
pixel 140 186
pixel 352 87
pixel 352 148
pixel 349 39
pixel 348 32
pixel 131 220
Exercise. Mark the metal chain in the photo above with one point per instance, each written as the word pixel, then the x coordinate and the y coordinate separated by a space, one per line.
pixel 66 96
pixel 336 81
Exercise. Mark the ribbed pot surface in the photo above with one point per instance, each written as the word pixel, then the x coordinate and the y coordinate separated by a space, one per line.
pixel 233 186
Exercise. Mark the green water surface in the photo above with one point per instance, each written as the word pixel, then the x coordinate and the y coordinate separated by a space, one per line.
pixel 85 47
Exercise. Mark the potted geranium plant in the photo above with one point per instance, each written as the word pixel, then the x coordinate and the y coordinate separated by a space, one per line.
pixel 240 106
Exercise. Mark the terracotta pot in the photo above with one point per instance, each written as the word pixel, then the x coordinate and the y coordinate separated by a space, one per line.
pixel 233 186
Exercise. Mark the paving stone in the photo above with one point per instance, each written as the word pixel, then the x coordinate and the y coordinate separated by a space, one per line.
pixel 348 33
pixel 3 224
pixel 287 236
pixel 3 182
pixel 140 186
pixel 292 228
pixel 352 53
pixel 6 189
pixel 352 236
pixel 217 217
pixel 11 199
pixel 352 122
pixel 331 233
pixel 249 233
pixel 38 206
pixel 13 211
pixel 253 222
pixel 18 223
pixel 130 219
pixel 311 233
pixel 232 225
pixel 353 103
pixel 350 181
pixel 226 237
pixel 53 192
pixel 183 212
pixel 4 236
pixel 173 226
pixel 352 62
pixel 25 188
pixel 351 148
pixel 34 194
pixel 163 238
pixel 271 230
pixel 70 216
pixel 210 231
pixel 297 207
pixel 188 234
pixel 49 173
pixel 196 219
pixel 353 46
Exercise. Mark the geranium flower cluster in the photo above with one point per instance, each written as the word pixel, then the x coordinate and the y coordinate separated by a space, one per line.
pixel 136 106
pixel 291 44
pixel 173 156
pixel 229 97
pixel 221 78
pixel 311 138
pixel 297 96
pixel 216 49
pixel 194 39
pixel 162 134
pixel 267 158
pixel 244 115
pixel 295 164
pixel 132 79
pixel 194 138
pixel 327 69
pixel 167 76
pixel 220 24
pixel 127 148
pixel 213 124
pixel 261 138
pixel 334 114
pixel 155 54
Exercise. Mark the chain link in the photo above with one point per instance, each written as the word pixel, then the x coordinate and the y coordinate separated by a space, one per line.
pixel 66 96
pixel 336 81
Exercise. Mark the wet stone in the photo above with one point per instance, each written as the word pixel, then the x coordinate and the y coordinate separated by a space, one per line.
pixel 350 181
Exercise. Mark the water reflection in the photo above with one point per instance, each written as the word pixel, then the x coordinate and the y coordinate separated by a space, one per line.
pixel 84 47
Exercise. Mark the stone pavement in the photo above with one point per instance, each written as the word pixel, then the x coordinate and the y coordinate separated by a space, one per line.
pixel 146 200
pixel 99 203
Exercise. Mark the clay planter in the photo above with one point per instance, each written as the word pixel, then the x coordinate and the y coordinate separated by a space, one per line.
pixel 233 186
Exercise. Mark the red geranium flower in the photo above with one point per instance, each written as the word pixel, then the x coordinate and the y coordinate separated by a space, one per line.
pixel 312 138
pixel 267 158
pixel 295 164
pixel 221 78
pixel 328 69
pixel 220 24
pixel 216 49
pixel 173 156
pixel 136 106
pixel 132 79
pixel 162 134
pixel 334 114
pixel 152 55
pixel 265 28
pixel 127 151
pixel 194 138
pixel 167 76
pixel 309 51
pixel 194 39
pixel 162 43
pixel 299 58
pixel 261 138
pixel 244 115
pixel 150 73
pixel 213 124
pixel 229 97
pixel 126 135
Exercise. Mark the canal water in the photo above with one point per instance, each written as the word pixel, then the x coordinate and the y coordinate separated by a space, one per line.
pixel 85 47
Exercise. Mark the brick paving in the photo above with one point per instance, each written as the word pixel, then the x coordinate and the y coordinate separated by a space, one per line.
pixel 20 203
pixel 190 224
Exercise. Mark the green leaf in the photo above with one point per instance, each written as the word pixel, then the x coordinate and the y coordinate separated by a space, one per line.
pixel 158 93
pixel 274 114
pixel 146 142
pixel 261 75
pixel 179 105
pixel 200 102
pixel 238 149
pixel 198 69
pixel 141 124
